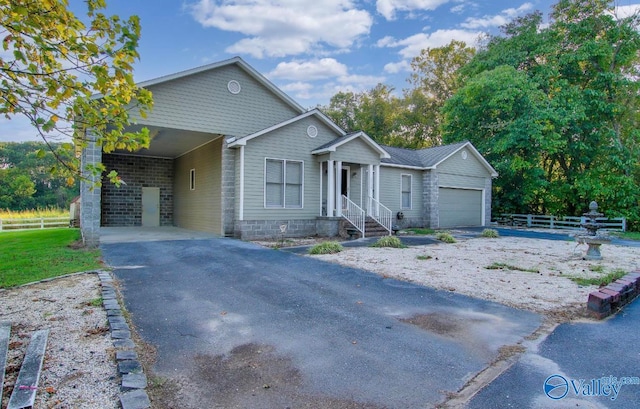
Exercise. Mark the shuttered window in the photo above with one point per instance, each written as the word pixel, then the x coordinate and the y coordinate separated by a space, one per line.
pixel 406 191
pixel 283 183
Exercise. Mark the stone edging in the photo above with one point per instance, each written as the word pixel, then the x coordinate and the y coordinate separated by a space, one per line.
pixel 614 296
pixel 133 393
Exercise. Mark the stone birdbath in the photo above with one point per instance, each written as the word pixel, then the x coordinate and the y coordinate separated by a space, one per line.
pixel 592 237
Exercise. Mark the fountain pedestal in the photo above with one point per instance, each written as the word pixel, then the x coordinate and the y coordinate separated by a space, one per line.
pixel 592 238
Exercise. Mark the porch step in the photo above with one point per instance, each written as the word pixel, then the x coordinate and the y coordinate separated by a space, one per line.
pixel 371 229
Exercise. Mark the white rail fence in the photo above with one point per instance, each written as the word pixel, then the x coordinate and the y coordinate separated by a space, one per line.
pixel 560 222
pixel 354 213
pixel 381 214
pixel 34 223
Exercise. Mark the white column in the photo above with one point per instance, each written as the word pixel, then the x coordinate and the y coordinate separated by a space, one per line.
pixel 369 188
pixel 241 185
pixel 321 175
pixel 339 188
pixel 361 186
pixel 377 170
pixel 331 190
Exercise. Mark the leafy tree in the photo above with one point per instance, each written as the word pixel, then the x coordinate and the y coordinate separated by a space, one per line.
pixel 53 63
pixel 24 160
pixel 434 80
pixel 556 109
pixel 376 112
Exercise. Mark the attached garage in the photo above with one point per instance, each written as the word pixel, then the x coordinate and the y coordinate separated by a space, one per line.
pixel 460 207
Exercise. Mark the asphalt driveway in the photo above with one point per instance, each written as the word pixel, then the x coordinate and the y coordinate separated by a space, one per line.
pixel 238 326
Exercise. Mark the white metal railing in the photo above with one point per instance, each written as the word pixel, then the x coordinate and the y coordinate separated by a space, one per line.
pixel 380 213
pixel 34 223
pixel 560 222
pixel 353 213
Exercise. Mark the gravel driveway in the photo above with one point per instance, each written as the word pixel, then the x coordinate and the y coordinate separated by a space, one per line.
pixel 236 325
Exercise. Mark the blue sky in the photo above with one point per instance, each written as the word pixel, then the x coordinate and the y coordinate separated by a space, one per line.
pixel 311 49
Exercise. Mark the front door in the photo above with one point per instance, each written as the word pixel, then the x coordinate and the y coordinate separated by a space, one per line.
pixel 151 206
pixel 346 181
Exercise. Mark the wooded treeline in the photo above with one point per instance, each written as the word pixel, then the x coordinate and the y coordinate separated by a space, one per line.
pixel 553 107
pixel 28 177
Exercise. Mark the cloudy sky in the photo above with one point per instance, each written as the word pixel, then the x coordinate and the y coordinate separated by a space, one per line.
pixel 311 49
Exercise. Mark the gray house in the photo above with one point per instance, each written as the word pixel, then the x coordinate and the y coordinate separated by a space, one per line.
pixel 233 155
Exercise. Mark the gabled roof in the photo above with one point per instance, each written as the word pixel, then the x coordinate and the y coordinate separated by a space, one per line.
pixel 239 141
pixel 232 61
pixel 333 145
pixel 430 158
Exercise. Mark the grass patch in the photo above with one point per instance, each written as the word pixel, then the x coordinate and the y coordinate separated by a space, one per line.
pixel 490 233
pixel 424 257
pixel 32 255
pixel 30 214
pixel 600 281
pixel 327 247
pixel 421 231
pixel 505 266
pixel 445 237
pixel 628 235
pixel 389 241
pixel 96 302
pixel 597 269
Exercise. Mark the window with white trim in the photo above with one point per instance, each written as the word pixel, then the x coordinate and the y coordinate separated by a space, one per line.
pixel 406 191
pixel 283 183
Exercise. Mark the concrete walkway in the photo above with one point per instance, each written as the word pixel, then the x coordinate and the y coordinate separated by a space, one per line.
pixel 110 235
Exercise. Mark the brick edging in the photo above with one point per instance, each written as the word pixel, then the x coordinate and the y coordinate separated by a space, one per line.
pixel 133 394
pixel 607 300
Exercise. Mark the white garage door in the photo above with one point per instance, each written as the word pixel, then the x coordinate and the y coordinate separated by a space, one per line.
pixel 460 207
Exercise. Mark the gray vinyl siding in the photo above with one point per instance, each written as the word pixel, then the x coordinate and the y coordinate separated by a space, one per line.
pixel 456 165
pixel 290 142
pixel 202 102
pixel 391 191
pixel 356 151
pixel 199 209
pixel 464 173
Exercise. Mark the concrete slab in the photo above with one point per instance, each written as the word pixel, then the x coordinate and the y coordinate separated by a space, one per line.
pixel 5 331
pixel 110 235
pixel 26 386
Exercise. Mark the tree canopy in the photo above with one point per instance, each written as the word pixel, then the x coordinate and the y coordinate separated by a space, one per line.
pixel 26 181
pixel 555 109
pixel 54 63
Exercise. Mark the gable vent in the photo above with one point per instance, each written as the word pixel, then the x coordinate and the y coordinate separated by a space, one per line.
pixel 312 131
pixel 234 87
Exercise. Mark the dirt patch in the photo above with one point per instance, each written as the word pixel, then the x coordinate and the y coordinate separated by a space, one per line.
pixel 249 376
pixel 436 323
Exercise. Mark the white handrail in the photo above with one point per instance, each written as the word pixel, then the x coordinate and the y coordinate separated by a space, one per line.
pixel 353 213
pixel 381 214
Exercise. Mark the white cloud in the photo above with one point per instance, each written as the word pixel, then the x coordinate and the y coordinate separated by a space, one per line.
pixel 329 75
pixel 288 27
pixel 627 11
pixel 309 70
pixel 411 46
pixel 504 17
pixel 388 8
pixel 396 67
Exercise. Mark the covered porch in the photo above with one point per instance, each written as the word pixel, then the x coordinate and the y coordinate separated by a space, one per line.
pixel 350 181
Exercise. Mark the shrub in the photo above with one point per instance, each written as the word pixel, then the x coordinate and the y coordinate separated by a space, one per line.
pixel 389 241
pixel 445 237
pixel 327 247
pixel 490 233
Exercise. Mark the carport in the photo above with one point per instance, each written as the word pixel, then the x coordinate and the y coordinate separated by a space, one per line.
pixel 175 182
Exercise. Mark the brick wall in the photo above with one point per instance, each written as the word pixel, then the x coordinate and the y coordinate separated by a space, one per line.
pixel 270 229
pixel 123 206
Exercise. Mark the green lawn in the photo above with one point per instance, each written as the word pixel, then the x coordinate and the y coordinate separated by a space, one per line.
pixel 33 255
pixel 629 235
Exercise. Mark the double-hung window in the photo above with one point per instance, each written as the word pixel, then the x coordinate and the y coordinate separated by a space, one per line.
pixel 283 183
pixel 406 191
